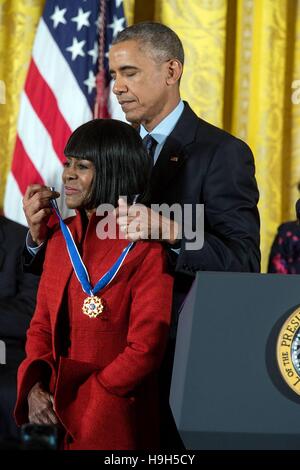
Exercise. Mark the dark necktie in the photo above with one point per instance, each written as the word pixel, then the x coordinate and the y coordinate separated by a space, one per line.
pixel 150 145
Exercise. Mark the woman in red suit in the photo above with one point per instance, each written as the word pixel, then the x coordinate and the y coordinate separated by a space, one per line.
pixel 93 355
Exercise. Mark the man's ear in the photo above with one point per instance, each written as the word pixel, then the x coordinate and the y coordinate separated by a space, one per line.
pixel 174 71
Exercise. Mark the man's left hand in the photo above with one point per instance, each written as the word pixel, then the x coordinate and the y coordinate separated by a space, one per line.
pixel 138 222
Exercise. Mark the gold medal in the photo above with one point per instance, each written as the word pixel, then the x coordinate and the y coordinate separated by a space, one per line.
pixel 92 306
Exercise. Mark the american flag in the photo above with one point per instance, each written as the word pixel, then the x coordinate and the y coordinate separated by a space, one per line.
pixel 60 91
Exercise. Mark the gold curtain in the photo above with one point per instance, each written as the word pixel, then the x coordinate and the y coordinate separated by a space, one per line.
pixel 18 21
pixel 129 11
pixel 242 59
pixel 201 25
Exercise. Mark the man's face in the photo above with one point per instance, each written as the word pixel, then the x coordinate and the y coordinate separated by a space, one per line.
pixel 139 83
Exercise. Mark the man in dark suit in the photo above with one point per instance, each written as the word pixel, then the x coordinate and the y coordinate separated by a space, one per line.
pixel 194 163
pixel 17 302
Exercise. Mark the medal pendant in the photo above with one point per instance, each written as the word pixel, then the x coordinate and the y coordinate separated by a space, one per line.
pixel 92 306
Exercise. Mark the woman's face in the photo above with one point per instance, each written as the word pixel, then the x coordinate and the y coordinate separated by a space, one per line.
pixel 78 176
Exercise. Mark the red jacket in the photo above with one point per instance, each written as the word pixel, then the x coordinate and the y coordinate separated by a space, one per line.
pixel 105 381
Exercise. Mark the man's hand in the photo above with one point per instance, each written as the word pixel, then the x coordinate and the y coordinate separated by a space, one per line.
pixel 37 209
pixel 40 406
pixel 138 222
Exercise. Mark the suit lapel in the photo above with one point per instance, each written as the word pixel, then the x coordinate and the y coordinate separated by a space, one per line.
pixel 173 154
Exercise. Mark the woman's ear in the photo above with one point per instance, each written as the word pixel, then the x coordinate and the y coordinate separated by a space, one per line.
pixel 174 71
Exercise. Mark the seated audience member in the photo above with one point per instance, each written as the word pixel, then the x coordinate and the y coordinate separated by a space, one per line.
pixel 17 302
pixel 285 252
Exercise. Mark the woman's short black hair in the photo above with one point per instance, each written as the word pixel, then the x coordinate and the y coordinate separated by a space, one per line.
pixel 122 164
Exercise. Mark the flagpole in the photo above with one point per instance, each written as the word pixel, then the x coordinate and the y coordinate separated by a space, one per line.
pixel 100 108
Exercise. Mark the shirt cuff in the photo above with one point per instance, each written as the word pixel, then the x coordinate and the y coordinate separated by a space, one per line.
pixel 31 246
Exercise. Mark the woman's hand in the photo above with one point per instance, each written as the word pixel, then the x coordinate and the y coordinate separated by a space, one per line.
pixel 37 209
pixel 40 405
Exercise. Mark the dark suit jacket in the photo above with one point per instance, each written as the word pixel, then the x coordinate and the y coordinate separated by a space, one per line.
pixel 200 163
pixel 17 302
pixel 17 289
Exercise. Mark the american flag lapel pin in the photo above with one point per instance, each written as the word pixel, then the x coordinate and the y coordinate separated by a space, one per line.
pixel 173 158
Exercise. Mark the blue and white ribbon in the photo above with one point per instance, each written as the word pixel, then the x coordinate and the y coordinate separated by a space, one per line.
pixel 78 265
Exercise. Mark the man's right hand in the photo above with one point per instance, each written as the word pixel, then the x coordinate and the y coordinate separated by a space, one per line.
pixel 40 406
pixel 37 209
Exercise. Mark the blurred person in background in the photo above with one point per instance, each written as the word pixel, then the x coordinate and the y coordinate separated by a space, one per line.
pixel 285 251
pixel 17 302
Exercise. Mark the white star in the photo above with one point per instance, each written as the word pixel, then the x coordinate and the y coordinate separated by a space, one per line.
pixel 81 19
pixel 119 3
pixel 94 53
pixel 117 25
pixel 90 82
pixel 58 16
pixel 76 48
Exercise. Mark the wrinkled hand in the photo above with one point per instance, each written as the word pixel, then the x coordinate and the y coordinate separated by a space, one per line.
pixel 138 222
pixel 40 406
pixel 37 209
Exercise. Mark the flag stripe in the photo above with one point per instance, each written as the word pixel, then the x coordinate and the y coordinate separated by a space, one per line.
pixel 37 143
pixel 23 169
pixel 42 100
pixel 13 199
pixel 56 72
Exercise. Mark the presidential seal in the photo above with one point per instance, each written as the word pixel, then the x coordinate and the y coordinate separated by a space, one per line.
pixel 288 351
